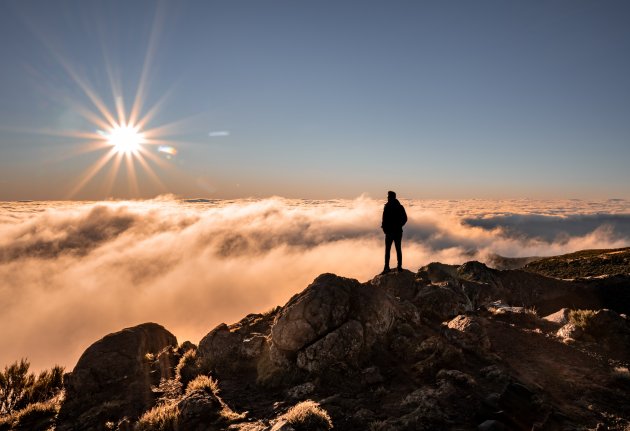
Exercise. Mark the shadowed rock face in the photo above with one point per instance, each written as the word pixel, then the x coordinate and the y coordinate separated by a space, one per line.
pixel 113 377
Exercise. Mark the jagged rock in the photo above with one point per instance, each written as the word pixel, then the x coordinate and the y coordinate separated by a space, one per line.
pixel 372 376
pixel 301 391
pixel 333 321
pixel 441 302
pixel 200 411
pixel 436 272
pixel 321 308
pixel 470 332
pixel 238 347
pixel 341 346
pixel 113 377
pixel 561 317
pixel 458 378
pixel 401 285
pixel 436 354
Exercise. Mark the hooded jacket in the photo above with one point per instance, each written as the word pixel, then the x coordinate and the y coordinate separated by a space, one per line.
pixel 394 217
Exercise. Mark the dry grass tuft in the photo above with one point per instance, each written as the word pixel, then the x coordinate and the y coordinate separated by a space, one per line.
pixel 581 318
pixel 308 416
pixel 203 383
pixel 188 367
pixel 160 418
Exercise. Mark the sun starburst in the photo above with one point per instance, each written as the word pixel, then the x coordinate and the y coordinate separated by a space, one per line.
pixel 125 139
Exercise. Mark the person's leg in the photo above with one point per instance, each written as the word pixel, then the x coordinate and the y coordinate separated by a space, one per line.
pixel 398 242
pixel 388 246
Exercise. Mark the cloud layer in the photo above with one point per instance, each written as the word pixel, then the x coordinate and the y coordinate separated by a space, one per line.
pixel 72 272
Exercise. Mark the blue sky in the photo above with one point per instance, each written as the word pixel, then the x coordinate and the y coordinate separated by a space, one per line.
pixel 324 99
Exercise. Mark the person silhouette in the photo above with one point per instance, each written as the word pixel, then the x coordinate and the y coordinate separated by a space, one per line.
pixel 394 218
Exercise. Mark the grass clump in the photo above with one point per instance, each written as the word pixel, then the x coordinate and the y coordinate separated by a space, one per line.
pixel 203 383
pixel 19 388
pixel 188 367
pixel 308 416
pixel 38 416
pixel 162 417
pixel 581 318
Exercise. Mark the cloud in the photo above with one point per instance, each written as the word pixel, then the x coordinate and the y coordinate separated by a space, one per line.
pixel 219 133
pixel 71 272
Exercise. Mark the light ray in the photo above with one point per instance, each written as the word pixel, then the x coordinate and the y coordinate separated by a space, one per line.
pixel 154 158
pixel 111 176
pixel 89 92
pixel 148 59
pixel 131 172
pixel 91 172
pixel 149 170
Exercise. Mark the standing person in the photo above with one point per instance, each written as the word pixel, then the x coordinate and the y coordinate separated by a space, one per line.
pixel 394 218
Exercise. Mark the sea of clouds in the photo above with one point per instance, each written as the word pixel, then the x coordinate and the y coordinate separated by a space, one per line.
pixel 71 272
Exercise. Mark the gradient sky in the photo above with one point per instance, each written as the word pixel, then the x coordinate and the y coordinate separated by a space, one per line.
pixel 324 99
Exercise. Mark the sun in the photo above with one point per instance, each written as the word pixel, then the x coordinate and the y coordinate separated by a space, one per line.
pixel 126 139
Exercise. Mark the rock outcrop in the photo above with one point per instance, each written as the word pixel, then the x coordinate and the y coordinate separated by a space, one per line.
pixel 114 377
pixel 448 347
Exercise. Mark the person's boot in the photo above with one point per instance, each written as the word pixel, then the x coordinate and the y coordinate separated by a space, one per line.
pixel 399 268
pixel 385 270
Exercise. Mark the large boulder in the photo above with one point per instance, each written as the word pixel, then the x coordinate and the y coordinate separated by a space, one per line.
pixel 335 320
pixel 401 285
pixel 114 376
pixel 236 349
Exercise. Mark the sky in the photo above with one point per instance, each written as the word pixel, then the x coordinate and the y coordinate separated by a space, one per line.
pixel 316 100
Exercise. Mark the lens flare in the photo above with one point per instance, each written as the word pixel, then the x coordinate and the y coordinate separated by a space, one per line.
pixel 167 149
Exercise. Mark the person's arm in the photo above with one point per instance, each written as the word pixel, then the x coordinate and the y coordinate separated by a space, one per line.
pixel 403 215
pixel 383 220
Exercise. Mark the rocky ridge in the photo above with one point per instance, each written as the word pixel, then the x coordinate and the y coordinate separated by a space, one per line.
pixel 448 347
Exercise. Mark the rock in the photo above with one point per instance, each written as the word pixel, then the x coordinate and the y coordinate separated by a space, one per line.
pixel 113 377
pixel 441 302
pixel 456 377
pixel 236 348
pixel 436 272
pixel 520 406
pixel 401 285
pixel 321 308
pixel 470 332
pixel 372 376
pixel 343 345
pixel 364 415
pixel 561 317
pixel 334 321
pixel 198 411
pixel 492 425
pixel 301 391
pixel 479 273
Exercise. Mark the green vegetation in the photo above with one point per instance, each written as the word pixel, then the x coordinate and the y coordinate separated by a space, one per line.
pixel 19 388
pixel 581 318
pixel 308 416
